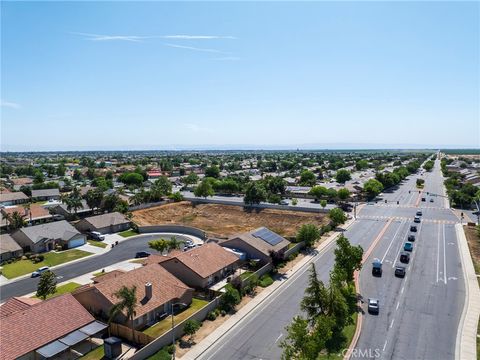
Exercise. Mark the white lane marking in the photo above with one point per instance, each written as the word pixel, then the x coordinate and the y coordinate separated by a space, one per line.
pixel 398 304
pixel 399 249
pixel 278 338
pixel 444 256
pixel 391 324
pixel 403 288
pixel 385 345
pixel 438 250
pixel 393 239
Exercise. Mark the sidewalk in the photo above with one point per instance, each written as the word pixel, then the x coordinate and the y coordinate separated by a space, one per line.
pixel 241 314
pixel 466 342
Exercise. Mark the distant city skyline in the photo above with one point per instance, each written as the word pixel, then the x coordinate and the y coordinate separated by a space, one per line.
pixel 221 75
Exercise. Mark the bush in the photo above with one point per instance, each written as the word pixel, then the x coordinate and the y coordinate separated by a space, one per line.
pixel 230 298
pixel 28 255
pixel 293 256
pixel 223 312
pixel 294 201
pixel 266 280
pixel 40 257
pixel 211 316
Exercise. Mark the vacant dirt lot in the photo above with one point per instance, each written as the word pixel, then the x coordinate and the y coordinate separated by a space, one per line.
pixel 474 245
pixel 223 220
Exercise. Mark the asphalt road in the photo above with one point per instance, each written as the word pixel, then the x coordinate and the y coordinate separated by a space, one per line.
pixel 123 251
pixel 419 314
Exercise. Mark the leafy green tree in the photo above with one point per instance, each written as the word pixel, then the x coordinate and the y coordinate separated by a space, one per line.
pixel 26 190
pixel 110 202
pixel 39 178
pixel 161 187
pixel 307 178
pixel 308 233
pixel 323 203
pixel 361 165
pixel 176 196
pixel 73 200
pixel 204 189
pixel 15 220
pixel 254 194
pixel 428 165
pixel 127 303
pixel 47 285
pixel 314 302
pixel 348 258
pixel 191 179
pixel 342 176
pixel 212 171
pixel 94 198
pixel 372 188
pixel 161 245
pixel 61 169
pixel 276 185
pixel 230 298
pixel 337 216
pixel 343 194
pixel 318 192
pixel 121 206
pixel 131 178
pixel 174 243
pixel 191 327
pixel 77 175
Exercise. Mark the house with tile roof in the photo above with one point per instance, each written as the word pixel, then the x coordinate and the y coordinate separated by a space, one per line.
pixel 34 329
pixel 9 249
pixel 13 198
pixel 104 223
pixel 45 194
pixel 156 290
pixel 202 266
pixel 45 237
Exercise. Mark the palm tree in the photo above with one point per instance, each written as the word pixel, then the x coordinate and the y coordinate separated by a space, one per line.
pixel 15 220
pixel 127 303
pixel 74 200
pixel 175 244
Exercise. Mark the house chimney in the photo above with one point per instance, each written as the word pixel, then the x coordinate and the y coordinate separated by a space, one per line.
pixel 148 290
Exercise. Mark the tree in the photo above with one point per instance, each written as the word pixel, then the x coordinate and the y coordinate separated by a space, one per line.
pixel 191 179
pixel 348 258
pixel 254 194
pixel 26 190
pixel 191 327
pixel 314 300
pixel 342 176
pixel 343 194
pixel 39 178
pixel 230 298
pixel 308 233
pixel 47 285
pixel 318 192
pixel 276 185
pixel 361 164
pixel 204 189
pixel 127 303
pixel 121 206
pixel 372 188
pixel 337 216
pixel 213 172
pixel 15 220
pixel 307 178
pixel 110 202
pixel 94 198
pixel 176 196
pixel 174 243
pixel 77 175
pixel 74 200
pixel 161 245
pixel 131 178
pixel 161 187
pixel 428 165
pixel 323 203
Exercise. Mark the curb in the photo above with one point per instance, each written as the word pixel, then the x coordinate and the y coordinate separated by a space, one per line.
pixel 209 342
pixel 466 341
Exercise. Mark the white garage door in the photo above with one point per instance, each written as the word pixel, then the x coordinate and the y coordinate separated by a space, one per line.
pixel 76 242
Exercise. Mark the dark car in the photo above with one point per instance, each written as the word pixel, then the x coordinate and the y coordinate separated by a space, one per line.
pixel 400 271
pixel 413 228
pixel 416 219
pixel 423 199
pixel 404 257
pixel 142 254
pixel 419 213
pixel 411 238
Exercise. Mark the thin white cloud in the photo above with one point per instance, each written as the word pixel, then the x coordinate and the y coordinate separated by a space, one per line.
pixel 135 38
pixel 196 37
pixel 9 104
pixel 195 48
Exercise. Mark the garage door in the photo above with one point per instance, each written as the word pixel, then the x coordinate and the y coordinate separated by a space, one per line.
pixel 76 242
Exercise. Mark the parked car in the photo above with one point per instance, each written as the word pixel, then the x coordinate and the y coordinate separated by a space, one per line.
pixel 95 235
pixel 413 228
pixel 400 271
pixel 423 199
pixel 408 246
pixel 40 271
pixel 431 200
pixel 411 238
pixel 142 254
pixel 416 219
pixel 419 213
pixel 404 257
pixel 373 306
pixel 283 202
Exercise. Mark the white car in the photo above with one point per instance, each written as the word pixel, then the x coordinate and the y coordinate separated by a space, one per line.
pixel 283 202
pixel 40 271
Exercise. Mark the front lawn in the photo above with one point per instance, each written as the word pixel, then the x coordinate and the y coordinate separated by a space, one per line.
pixel 95 354
pixel 22 267
pixel 245 275
pixel 128 233
pixel 63 289
pixel 97 243
pixel 166 324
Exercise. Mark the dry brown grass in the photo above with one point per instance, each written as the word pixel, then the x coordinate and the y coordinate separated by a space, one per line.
pixel 223 220
pixel 474 245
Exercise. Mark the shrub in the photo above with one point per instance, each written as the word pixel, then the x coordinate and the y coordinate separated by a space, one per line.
pixel 24 257
pixel 293 256
pixel 294 201
pixel 28 255
pixel 230 298
pixel 40 257
pixel 266 280
pixel 211 316
pixel 223 312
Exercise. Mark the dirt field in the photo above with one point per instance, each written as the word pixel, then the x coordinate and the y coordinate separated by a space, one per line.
pixel 223 220
pixel 474 245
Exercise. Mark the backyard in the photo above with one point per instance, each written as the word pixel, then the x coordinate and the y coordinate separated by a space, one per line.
pixel 223 220
pixel 166 324
pixel 22 267
pixel 63 289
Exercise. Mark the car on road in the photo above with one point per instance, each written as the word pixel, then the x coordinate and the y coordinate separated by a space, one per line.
pixel 416 219
pixel 377 267
pixel 411 238
pixel 95 235
pixel 400 271
pixel 404 257
pixel 413 228
pixel 142 254
pixel 431 200
pixel 40 271
pixel 373 306
pixel 419 213
pixel 283 202
pixel 423 199
pixel 408 246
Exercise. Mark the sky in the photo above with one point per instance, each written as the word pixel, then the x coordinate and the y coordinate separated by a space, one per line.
pixel 258 75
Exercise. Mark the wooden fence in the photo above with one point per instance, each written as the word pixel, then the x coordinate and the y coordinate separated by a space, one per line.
pixel 125 332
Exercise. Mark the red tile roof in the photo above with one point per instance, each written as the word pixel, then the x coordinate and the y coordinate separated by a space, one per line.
pixel 16 304
pixel 29 329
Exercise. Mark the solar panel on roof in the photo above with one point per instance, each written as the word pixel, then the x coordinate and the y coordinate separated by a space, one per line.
pixel 268 236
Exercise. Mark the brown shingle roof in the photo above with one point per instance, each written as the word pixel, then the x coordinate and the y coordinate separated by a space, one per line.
pixel 37 211
pixel 104 220
pixel 15 304
pixel 207 259
pixel 258 243
pixel 107 276
pixel 7 244
pixel 27 330
pixel 165 287
pixel 13 196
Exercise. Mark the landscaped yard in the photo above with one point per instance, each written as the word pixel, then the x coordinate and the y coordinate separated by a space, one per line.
pixel 128 233
pixel 166 324
pixel 245 275
pixel 22 267
pixel 63 289
pixel 95 354
pixel 97 243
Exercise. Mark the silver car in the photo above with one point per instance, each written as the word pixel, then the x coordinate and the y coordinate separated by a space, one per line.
pixel 373 306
